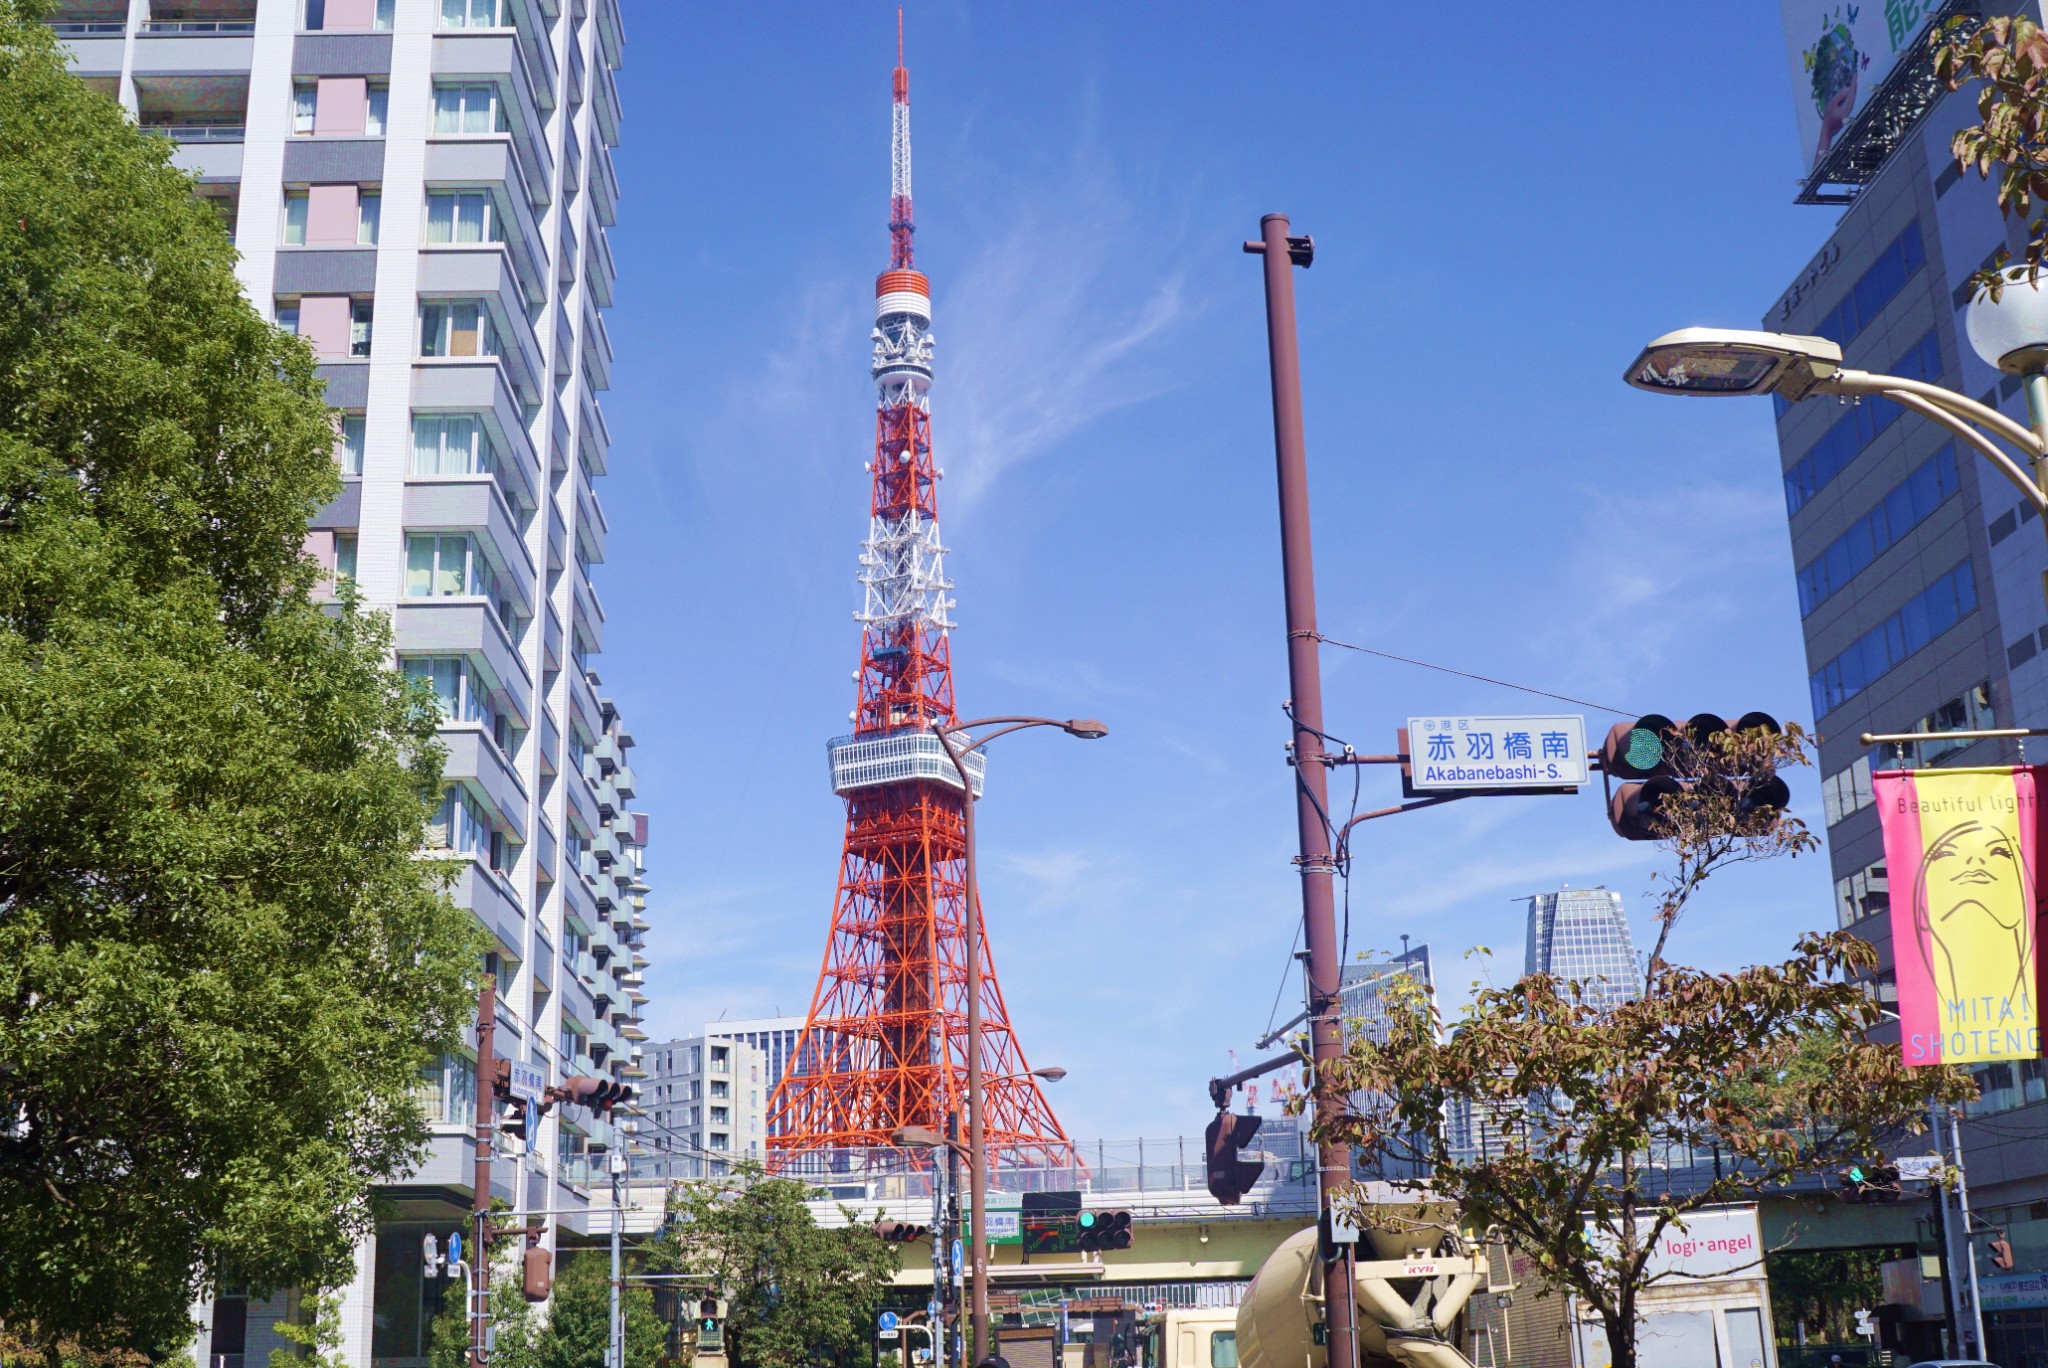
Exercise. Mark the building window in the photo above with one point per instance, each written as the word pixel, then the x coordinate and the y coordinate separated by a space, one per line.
pixel 369 215
pixel 461 694
pixel 317 17
pixel 294 218
pixel 350 448
pixel 720 1089
pixel 456 328
pixel 451 444
pixel 1925 616
pixel 719 1141
pixel 1846 791
pixel 721 1116
pixel 448 1089
pixel 1865 893
pixel 439 565
pixel 461 825
pixel 1856 429
pixel 469 109
pixel 457 14
pixel 1875 288
pixel 721 1060
pixel 462 216
pixel 344 555
pixel 305 105
pixel 1898 513
pixel 1968 711
pixel 377 111
pixel 361 314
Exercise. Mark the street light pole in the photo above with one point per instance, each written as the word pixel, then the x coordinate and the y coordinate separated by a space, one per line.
pixel 977 1151
pixel 1282 254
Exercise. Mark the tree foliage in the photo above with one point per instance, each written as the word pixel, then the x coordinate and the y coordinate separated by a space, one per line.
pixel 572 1332
pixel 2009 55
pixel 795 1291
pixel 1615 1122
pixel 222 965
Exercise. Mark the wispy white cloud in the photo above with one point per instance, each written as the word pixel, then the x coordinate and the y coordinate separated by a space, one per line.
pixel 1050 325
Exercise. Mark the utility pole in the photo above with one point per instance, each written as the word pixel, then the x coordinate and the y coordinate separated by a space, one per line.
pixel 616 1353
pixel 1312 801
pixel 1968 1239
pixel 480 1203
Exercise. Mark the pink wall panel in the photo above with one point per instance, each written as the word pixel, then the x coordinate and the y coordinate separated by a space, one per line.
pixel 330 215
pixel 323 321
pixel 351 14
pixel 320 546
pixel 343 105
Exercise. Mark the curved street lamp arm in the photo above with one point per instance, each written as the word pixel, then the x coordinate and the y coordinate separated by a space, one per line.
pixel 1853 382
pixel 1016 724
pixel 1991 452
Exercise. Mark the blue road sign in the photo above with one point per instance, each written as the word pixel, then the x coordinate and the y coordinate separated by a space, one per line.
pixel 888 1320
pixel 455 1247
pixel 959 1257
pixel 931 1308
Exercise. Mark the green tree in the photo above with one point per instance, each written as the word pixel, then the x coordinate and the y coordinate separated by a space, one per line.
pixel 2009 57
pixel 1762 1074
pixel 579 1317
pixel 796 1291
pixel 1823 1289
pixel 222 965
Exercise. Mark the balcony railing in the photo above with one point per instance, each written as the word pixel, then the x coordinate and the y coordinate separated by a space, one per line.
pixel 88 28
pixel 173 27
pixel 199 132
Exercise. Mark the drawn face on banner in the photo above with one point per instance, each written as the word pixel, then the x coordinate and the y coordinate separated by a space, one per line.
pixel 1974 910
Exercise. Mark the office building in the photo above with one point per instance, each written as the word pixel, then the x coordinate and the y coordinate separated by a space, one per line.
pixel 705 1103
pixel 421 189
pixel 1365 989
pixel 1918 573
pixel 1581 935
pixel 775 1037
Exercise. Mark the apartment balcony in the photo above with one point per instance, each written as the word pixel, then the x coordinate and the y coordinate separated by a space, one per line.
pixel 577 86
pixel 606 753
pixel 624 782
pixel 583 703
pixel 583 805
pixel 595 445
pixel 464 626
pixel 474 273
pixel 604 187
pixel 610 37
pixel 592 527
pixel 472 755
pixel 490 163
pixel 486 391
pixel 600 273
pixel 604 104
pixel 197 38
pixel 195 105
pixel 212 162
pixel 589 612
pixel 199 18
pixel 545 850
pixel 597 348
pixel 493 54
pixel 575 997
pixel 578 901
pixel 485 895
pixel 94 36
pixel 472 503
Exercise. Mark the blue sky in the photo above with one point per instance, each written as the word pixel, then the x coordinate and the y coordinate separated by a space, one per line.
pixel 1504 210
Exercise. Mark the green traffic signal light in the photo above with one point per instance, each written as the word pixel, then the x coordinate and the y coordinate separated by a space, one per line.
pixel 1644 749
pixel 1087 1220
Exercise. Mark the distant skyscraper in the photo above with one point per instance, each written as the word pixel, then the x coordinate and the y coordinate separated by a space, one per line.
pixel 1581 935
pixel 1362 990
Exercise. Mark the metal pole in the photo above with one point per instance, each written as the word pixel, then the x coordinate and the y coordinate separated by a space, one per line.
pixel 617 1343
pixel 480 1202
pixel 977 1153
pixel 946 1297
pixel 1318 899
pixel 1955 1131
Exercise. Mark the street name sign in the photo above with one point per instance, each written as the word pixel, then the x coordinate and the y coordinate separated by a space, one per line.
pixel 1919 1168
pixel 1467 752
pixel 528 1081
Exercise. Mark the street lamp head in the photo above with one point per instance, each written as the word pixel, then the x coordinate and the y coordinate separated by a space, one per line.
pixel 917 1136
pixel 2011 332
pixel 1087 728
pixel 1051 1074
pixel 1733 361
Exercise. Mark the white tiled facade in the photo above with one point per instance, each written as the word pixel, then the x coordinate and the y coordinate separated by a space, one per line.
pixel 422 188
pixel 704 1104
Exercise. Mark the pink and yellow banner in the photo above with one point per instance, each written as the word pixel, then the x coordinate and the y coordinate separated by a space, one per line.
pixel 1963 854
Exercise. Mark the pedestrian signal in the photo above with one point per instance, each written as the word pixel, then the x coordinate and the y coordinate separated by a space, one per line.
pixel 2001 1252
pixel 537 1274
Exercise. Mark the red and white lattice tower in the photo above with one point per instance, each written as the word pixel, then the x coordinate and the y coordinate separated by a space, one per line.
pixel 885 1043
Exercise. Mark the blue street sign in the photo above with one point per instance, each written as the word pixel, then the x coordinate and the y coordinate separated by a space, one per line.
pixel 455 1247
pixel 959 1257
pixel 931 1308
pixel 888 1320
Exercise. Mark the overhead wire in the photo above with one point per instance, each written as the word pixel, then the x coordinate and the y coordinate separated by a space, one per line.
pixel 1483 679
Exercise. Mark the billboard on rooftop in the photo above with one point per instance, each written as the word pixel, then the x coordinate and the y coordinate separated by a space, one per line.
pixel 1841 51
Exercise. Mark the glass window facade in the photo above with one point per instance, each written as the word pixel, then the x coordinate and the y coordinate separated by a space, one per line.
pixel 1898 513
pixel 1929 613
pixel 1876 287
pixel 1856 429
pixel 1581 935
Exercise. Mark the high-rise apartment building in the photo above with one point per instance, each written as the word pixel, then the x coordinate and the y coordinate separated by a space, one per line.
pixel 421 189
pixel 706 1104
pixel 1581 935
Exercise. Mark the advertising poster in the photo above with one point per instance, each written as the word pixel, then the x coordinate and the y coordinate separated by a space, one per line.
pixel 1841 52
pixel 1963 854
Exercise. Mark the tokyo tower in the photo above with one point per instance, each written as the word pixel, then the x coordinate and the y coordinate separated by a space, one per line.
pixel 885 1042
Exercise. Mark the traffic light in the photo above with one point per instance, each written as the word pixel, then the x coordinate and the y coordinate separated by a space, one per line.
pixel 537 1274
pixel 1105 1230
pixel 1231 1176
pixel 1870 1183
pixel 598 1094
pixel 711 1325
pixel 2001 1251
pixel 1671 759
pixel 901 1232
